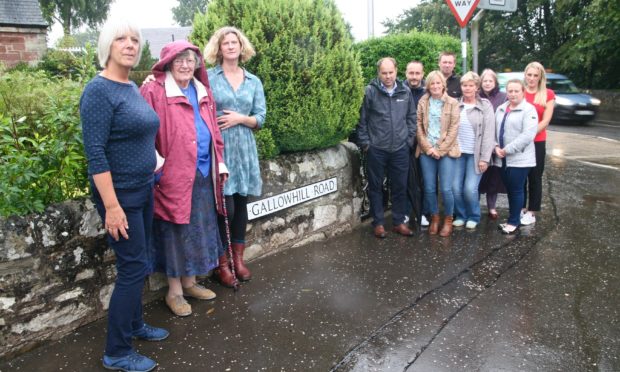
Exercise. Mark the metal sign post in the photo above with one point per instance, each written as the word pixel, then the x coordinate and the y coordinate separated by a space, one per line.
pixel 464 48
pixel 463 10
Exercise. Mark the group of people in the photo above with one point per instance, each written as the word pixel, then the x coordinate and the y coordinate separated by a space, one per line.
pixel 463 136
pixel 171 165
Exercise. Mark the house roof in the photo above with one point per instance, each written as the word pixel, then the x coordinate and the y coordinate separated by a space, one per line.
pixel 21 13
pixel 158 37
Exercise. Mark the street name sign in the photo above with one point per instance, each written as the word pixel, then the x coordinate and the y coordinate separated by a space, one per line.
pixel 290 198
pixel 500 5
pixel 462 10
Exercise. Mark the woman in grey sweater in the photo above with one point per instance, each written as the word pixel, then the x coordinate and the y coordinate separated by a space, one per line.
pixel 516 122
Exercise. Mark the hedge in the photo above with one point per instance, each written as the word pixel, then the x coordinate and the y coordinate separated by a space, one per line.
pixel 421 46
pixel 311 75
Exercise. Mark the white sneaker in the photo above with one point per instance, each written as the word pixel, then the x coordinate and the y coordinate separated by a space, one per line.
pixel 458 223
pixel 423 221
pixel 471 224
pixel 528 219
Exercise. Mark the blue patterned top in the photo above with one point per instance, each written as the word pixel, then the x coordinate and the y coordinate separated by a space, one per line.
pixel 434 120
pixel 119 130
pixel 240 154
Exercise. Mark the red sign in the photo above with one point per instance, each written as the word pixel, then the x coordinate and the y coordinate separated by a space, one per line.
pixel 462 10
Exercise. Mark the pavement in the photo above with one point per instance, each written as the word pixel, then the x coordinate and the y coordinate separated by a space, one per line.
pixel 547 299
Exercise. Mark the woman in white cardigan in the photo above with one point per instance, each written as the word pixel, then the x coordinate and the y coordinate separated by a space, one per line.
pixel 516 122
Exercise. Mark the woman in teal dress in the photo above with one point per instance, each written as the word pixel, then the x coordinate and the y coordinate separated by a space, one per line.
pixel 241 109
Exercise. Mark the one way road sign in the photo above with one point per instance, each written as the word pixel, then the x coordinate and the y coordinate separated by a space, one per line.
pixel 462 10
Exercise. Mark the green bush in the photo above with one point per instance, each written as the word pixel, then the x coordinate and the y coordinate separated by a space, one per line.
pixel 422 46
pixel 146 59
pixel 310 73
pixel 58 63
pixel 41 152
pixel 62 63
pixel 139 76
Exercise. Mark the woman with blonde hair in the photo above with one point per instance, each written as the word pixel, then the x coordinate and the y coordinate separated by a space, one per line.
pixel 543 99
pixel 241 109
pixel 437 130
pixel 476 139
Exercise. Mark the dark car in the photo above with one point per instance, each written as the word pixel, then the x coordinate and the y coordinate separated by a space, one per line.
pixel 572 106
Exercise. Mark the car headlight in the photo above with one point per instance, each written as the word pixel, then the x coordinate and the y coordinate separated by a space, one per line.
pixel 563 101
pixel 595 101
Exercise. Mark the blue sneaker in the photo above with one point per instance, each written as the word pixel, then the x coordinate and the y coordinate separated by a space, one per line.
pixel 150 333
pixel 133 362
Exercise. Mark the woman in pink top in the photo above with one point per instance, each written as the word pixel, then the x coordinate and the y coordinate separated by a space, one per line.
pixel 543 99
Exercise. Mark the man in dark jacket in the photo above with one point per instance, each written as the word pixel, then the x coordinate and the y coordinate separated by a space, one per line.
pixel 415 80
pixel 386 131
pixel 447 63
pixel 415 83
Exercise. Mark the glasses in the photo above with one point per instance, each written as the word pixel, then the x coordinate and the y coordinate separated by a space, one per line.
pixel 187 61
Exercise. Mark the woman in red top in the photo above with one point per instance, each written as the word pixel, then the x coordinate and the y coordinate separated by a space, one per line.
pixel 543 99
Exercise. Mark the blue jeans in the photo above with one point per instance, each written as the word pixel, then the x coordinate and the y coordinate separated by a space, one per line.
pixel 465 189
pixel 514 180
pixel 125 310
pixel 444 168
pixel 397 165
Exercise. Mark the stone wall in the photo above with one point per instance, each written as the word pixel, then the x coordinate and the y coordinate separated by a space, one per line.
pixel 22 44
pixel 610 100
pixel 57 273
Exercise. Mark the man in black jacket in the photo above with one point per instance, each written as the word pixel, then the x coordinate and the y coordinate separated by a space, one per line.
pixel 447 63
pixel 415 80
pixel 386 132
pixel 415 83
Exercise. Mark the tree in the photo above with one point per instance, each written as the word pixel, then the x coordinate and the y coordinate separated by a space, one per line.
pixel 71 14
pixel 311 75
pixel 146 59
pixel 89 36
pixel 576 37
pixel 591 57
pixel 429 15
pixel 185 11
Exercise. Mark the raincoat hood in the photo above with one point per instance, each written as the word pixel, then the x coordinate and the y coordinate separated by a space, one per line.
pixel 168 54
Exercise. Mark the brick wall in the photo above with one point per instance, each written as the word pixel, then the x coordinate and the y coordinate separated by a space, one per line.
pixel 19 44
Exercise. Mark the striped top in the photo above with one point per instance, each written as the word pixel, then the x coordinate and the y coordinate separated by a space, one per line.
pixel 467 137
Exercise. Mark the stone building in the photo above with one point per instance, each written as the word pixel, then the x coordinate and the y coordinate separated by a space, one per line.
pixel 23 32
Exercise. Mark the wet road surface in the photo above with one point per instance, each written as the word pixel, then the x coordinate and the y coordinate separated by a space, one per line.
pixel 546 299
pixel 606 125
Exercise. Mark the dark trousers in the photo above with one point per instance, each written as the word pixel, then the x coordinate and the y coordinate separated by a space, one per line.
pixel 514 180
pixel 397 165
pixel 237 211
pixel 125 310
pixel 534 186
